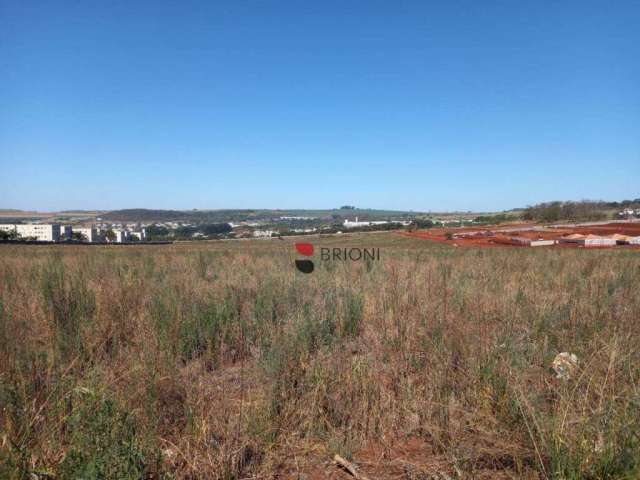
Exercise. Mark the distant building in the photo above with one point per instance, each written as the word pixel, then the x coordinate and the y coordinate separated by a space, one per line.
pixel 140 235
pixel 356 224
pixel 263 233
pixel 629 213
pixel 42 232
pixel 89 234
pixel 65 232
pixel 121 236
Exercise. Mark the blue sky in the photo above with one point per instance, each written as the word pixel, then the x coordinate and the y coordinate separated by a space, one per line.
pixel 279 104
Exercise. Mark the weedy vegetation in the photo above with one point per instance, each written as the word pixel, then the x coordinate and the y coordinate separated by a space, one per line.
pixel 220 360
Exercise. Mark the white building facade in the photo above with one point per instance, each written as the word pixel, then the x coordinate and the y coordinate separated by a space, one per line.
pixel 140 234
pixel 121 236
pixel 66 232
pixel 89 234
pixel 349 224
pixel 37 231
pixel 263 233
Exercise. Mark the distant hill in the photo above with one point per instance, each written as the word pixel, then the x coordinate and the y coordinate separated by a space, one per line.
pixel 549 211
pixel 214 216
pixel 143 214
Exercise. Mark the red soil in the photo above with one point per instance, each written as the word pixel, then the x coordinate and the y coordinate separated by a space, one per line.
pixel 632 229
pixel 488 237
pixel 403 458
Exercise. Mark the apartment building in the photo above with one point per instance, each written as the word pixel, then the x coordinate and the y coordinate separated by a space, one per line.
pixel 349 224
pixel 40 232
pixel 264 233
pixel 66 232
pixel 140 235
pixel 121 236
pixel 89 234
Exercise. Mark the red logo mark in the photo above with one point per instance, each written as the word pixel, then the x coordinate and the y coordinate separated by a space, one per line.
pixel 305 249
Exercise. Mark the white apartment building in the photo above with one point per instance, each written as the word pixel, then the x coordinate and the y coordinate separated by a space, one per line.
pixel 41 232
pixel 89 234
pixel 121 236
pixel 65 232
pixel 140 235
pixel 263 233
pixel 349 224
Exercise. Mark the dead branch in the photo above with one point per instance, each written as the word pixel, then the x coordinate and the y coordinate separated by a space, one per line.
pixel 348 467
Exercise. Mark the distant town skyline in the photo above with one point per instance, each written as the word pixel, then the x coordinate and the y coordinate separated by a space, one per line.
pixel 425 106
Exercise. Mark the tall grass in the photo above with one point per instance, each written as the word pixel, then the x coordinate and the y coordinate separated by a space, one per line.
pixel 221 361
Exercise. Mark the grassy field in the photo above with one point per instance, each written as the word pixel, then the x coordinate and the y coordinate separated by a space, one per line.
pixel 219 360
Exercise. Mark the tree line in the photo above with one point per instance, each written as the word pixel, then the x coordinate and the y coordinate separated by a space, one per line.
pixel 585 210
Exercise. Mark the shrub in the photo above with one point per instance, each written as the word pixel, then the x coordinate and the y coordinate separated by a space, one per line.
pixel 102 441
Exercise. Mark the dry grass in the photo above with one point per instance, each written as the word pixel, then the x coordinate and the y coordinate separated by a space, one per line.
pixel 219 360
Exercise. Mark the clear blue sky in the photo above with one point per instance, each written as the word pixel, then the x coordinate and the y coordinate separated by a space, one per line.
pixel 470 105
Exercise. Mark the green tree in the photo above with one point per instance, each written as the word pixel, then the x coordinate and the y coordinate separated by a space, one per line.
pixel 111 235
pixel 9 235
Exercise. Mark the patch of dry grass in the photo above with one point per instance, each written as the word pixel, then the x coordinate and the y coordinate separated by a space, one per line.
pixel 219 360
